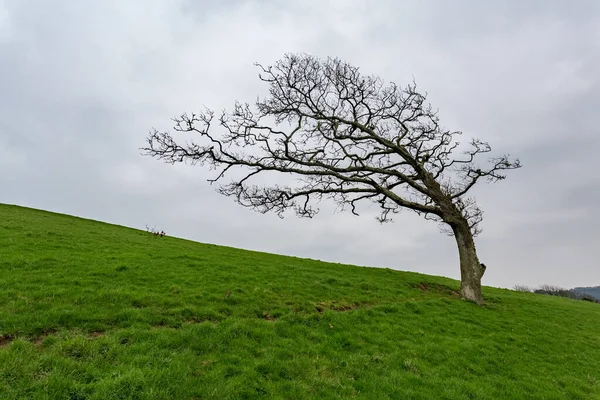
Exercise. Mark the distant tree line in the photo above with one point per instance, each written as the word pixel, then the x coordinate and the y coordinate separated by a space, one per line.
pixel 585 294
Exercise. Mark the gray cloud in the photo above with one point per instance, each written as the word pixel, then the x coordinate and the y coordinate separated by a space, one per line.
pixel 81 83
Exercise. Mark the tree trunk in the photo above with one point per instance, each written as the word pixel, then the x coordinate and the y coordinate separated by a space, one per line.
pixel 471 270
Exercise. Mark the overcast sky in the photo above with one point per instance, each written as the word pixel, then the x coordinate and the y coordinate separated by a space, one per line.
pixel 82 83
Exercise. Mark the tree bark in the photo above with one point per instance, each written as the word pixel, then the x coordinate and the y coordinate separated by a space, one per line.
pixel 471 270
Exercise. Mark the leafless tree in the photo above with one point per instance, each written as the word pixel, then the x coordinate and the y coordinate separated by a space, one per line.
pixel 347 137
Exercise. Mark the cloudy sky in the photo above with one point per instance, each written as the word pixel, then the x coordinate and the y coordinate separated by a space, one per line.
pixel 83 82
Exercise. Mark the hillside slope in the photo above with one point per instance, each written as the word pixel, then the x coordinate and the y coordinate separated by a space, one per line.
pixel 96 311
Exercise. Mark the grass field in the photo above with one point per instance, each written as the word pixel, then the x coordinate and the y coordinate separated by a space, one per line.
pixel 96 311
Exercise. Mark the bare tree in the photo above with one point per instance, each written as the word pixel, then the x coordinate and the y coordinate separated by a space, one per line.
pixel 347 137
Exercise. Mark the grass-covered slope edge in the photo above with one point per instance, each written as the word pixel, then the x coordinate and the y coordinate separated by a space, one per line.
pixel 92 310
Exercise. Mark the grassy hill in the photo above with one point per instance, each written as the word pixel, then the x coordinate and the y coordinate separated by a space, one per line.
pixel 96 311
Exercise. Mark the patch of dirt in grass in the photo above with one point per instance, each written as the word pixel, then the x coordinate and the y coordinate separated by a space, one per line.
pixel 426 287
pixel 269 317
pixel 6 339
pixel 40 338
pixel 183 323
pixel 164 326
pixel 335 306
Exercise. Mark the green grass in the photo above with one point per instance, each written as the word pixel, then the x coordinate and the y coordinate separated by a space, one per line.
pixel 96 311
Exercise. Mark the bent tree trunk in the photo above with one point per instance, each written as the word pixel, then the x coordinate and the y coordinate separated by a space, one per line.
pixel 471 270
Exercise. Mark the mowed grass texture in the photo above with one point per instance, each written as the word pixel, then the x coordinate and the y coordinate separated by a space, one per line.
pixel 96 311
